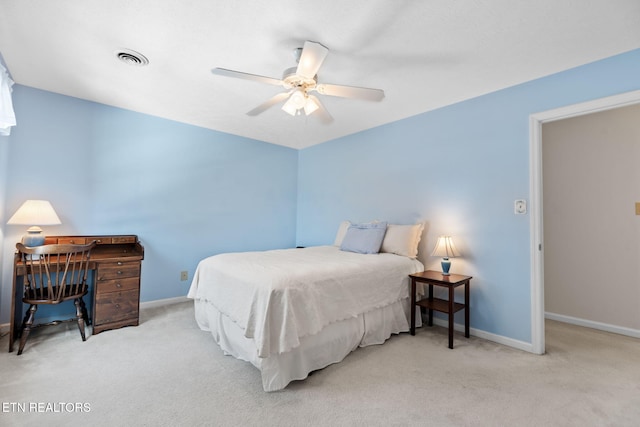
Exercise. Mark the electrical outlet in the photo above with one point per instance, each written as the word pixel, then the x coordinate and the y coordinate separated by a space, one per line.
pixel 184 275
pixel 520 207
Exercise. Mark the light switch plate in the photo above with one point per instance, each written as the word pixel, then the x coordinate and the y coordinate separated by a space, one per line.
pixel 520 207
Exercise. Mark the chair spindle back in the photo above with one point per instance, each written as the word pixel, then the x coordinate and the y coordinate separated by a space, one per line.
pixel 54 272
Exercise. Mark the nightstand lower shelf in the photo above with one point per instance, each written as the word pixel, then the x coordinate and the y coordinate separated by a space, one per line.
pixel 441 305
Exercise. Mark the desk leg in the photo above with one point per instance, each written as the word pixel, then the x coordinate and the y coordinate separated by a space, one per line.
pixel 15 320
pixel 451 289
pixel 430 322
pixel 466 309
pixel 413 307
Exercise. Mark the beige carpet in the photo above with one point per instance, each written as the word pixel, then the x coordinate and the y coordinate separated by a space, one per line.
pixel 166 372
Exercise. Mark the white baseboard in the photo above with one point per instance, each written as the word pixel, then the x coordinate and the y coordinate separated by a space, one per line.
pixel 499 339
pixel 163 302
pixel 594 325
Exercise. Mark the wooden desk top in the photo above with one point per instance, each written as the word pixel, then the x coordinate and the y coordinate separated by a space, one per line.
pixel 108 249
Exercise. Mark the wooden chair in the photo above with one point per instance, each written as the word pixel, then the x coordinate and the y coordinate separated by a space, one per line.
pixel 54 274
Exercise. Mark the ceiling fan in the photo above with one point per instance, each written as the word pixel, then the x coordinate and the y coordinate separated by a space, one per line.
pixel 299 83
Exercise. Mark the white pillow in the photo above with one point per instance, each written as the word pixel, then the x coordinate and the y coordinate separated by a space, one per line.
pixel 402 239
pixel 342 230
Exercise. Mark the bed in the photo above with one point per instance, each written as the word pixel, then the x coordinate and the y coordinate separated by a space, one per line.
pixel 292 311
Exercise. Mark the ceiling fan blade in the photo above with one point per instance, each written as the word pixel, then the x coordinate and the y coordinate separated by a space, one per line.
pixel 363 93
pixel 321 113
pixel 269 103
pixel 311 59
pixel 246 76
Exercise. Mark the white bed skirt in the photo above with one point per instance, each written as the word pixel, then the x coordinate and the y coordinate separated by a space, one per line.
pixel 332 344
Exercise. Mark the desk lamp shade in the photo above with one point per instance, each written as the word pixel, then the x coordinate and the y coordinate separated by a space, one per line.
pixel 34 213
pixel 445 249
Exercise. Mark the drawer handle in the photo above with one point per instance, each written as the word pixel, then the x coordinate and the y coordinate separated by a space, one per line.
pixel 98 241
pixel 119 262
pixel 118 306
pixel 118 285
pixel 119 272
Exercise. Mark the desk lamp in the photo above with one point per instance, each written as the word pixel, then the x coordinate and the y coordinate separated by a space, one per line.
pixel 34 213
pixel 445 249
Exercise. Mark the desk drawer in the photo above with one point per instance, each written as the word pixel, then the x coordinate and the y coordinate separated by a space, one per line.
pixel 118 270
pixel 124 239
pixel 72 241
pixel 116 285
pixel 100 240
pixel 116 306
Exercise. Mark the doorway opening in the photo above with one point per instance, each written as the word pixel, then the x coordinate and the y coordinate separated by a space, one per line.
pixel 536 226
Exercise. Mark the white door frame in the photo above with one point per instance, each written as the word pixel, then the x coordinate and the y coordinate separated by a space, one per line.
pixel 535 190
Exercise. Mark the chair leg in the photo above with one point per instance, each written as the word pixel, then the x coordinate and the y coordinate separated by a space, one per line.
pixel 80 315
pixel 85 313
pixel 26 326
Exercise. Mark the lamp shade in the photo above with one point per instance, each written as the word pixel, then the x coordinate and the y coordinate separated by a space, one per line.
pixel 310 106
pixel 445 248
pixel 290 107
pixel 35 212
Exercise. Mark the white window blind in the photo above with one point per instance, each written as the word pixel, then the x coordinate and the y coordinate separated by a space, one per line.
pixel 7 115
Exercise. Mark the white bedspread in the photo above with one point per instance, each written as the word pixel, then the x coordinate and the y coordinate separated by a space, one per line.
pixel 277 297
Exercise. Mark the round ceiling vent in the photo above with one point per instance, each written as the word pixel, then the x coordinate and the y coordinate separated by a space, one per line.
pixel 132 57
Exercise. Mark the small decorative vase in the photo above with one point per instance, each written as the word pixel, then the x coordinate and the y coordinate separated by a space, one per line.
pixel 33 238
pixel 446 265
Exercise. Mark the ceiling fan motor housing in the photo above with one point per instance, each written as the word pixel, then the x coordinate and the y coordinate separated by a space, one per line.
pixel 292 80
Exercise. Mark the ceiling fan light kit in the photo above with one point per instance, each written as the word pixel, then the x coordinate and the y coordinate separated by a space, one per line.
pixel 300 81
pixel 300 100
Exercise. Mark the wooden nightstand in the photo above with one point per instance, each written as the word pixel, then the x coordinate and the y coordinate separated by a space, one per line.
pixel 450 307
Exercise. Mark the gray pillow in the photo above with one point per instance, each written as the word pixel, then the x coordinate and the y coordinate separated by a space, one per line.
pixel 364 238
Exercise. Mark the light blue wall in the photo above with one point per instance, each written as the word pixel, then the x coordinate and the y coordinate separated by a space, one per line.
pixel 459 169
pixel 187 192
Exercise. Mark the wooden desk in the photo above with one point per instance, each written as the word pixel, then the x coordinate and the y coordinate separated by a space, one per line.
pixel 116 263
pixel 450 307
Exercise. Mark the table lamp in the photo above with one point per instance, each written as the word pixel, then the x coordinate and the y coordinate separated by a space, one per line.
pixel 34 213
pixel 445 249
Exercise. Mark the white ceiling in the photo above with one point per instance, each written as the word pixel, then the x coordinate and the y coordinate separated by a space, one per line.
pixel 423 54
